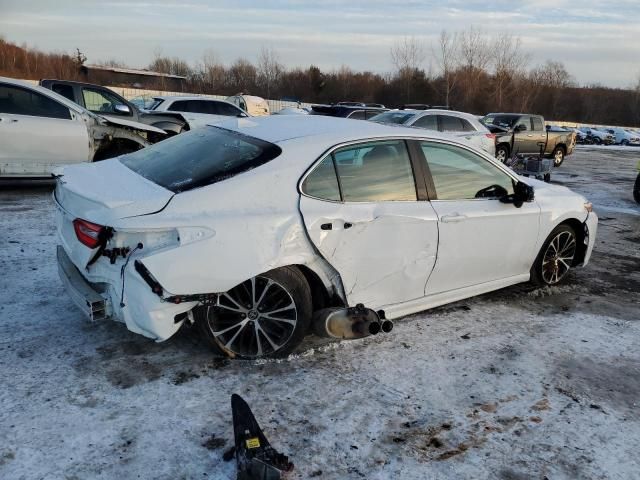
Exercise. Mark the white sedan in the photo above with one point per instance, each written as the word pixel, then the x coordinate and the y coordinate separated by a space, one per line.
pixel 460 124
pixel 41 130
pixel 263 228
pixel 197 110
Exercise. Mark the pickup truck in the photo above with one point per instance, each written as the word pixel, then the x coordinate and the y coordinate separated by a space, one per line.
pixel 107 103
pixel 520 133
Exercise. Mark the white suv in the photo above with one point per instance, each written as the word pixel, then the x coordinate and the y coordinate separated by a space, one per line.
pixel 460 124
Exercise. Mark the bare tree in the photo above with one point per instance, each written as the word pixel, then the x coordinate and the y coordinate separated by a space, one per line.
pixel 509 61
pixel 212 71
pixel 407 56
pixel 447 55
pixel 269 69
pixel 475 57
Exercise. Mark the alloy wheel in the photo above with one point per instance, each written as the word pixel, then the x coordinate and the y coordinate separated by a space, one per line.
pixel 558 157
pixel 253 319
pixel 501 155
pixel 558 257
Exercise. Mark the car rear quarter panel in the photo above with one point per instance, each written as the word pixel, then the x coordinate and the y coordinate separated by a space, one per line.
pixel 251 222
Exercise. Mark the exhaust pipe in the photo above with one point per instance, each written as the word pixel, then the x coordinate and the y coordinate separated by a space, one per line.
pixel 349 323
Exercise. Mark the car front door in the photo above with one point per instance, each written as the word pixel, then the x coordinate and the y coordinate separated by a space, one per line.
pixel 524 137
pixel 367 216
pixel 481 239
pixel 37 133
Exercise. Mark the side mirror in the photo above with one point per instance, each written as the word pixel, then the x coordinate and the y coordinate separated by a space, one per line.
pixel 122 109
pixel 519 128
pixel 521 193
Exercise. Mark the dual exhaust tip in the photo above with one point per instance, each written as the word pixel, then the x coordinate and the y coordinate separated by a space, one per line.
pixel 350 323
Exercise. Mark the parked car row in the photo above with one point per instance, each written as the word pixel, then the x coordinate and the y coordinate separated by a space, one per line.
pixel 604 135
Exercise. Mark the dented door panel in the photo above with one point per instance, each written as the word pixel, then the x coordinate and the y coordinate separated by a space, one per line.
pixel 384 252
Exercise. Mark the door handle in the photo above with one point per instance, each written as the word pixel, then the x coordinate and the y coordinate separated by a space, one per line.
pixel 326 226
pixel 455 217
pixel 530 135
pixel 347 225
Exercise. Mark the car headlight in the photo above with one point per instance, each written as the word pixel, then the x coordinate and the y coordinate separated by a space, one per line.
pixel 588 206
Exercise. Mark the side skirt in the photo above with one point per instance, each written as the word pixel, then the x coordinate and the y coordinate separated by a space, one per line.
pixel 401 309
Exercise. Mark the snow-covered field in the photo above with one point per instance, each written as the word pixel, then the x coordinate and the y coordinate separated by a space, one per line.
pixel 517 384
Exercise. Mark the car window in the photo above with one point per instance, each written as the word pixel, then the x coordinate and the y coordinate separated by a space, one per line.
pixel 466 125
pixel 228 110
pixel 375 172
pixel 322 182
pixel 449 123
pixel 392 117
pixel 429 122
pixel 242 104
pixel 179 106
pixel 155 103
pixel 21 101
pixel 65 90
pixel 100 102
pixel 537 124
pixel 357 115
pixel 459 174
pixel 199 157
pixel 523 123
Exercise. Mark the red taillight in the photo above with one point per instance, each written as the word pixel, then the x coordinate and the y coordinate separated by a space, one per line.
pixel 88 233
pixel 492 136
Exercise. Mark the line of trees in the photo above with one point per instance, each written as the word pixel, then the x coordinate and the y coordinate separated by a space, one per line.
pixel 468 70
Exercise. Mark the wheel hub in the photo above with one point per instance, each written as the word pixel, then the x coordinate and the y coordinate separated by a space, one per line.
pixel 253 319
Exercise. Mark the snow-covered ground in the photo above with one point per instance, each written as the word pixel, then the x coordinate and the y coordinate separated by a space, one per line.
pixel 517 384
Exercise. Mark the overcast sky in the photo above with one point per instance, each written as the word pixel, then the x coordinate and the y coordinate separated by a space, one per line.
pixel 597 41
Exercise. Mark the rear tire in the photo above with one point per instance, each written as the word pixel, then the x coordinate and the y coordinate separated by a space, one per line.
pixel 502 153
pixel 558 156
pixel 265 316
pixel 556 256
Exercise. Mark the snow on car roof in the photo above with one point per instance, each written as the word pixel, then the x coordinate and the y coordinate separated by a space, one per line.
pixel 279 128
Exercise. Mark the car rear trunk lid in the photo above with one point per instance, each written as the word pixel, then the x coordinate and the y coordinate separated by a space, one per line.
pixel 106 191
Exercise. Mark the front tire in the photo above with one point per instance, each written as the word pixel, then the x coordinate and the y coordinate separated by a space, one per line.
pixel 265 316
pixel 555 259
pixel 558 156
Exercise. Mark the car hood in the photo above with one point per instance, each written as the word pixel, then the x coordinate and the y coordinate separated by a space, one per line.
pixel 128 123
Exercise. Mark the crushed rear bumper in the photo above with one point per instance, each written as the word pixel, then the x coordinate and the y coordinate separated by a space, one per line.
pixel 86 298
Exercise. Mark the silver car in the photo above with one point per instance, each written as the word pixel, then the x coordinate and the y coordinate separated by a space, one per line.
pixel 460 124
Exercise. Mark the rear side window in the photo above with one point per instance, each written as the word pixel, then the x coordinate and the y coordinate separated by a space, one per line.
pixel 200 157
pixel 226 109
pixel 392 117
pixel 537 124
pixel 20 101
pixel 357 115
pixel 65 90
pixel 429 122
pixel 367 172
pixel 451 124
pixel 322 182
pixel 180 106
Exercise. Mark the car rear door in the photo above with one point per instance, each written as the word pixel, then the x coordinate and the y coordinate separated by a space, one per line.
pixel 539 134
pixel 370 219
pixel 37 133
pixel 480 238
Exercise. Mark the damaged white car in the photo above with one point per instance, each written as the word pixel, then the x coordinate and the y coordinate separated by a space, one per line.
pixel 263 229
pixel 41 130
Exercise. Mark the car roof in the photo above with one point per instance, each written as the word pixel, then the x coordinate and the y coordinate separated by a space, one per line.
pixel 280 128
pixel 189 97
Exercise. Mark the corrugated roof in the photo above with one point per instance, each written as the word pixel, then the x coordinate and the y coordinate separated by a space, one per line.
pixel 134 71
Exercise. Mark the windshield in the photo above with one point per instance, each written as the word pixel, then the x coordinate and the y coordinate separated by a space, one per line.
pixel 504 121
pixel 200 157
pixel 392 117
